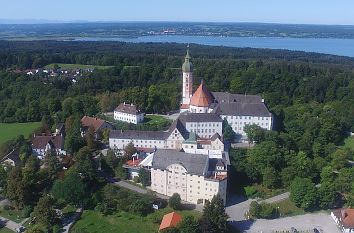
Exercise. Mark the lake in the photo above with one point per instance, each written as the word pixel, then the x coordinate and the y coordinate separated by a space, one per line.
pixel 342 47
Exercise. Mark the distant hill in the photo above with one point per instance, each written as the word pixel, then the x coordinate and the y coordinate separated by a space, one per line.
pixel 48 29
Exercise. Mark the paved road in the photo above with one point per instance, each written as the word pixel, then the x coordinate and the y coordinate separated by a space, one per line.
pixel 68 222
pixel 237 206
pixel 9 224
pixel 321 221
pixel 137 189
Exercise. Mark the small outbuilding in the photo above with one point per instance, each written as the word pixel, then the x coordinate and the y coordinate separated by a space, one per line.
pixel 170 220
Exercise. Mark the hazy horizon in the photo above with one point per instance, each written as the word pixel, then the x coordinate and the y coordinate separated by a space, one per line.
pixel 49 21
pixel 315 12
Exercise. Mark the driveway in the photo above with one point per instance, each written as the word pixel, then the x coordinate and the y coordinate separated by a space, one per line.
pixel 9 224
pixel 321 221
pixel 237 207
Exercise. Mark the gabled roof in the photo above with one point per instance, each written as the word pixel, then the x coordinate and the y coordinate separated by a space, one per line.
pixel 215 136
pixel 195 164
pixel 199 117
pixel 40 142
pixel 202 97
pixel 242 109
pixel 226 97
pixel 96 123
pixel 346 217
pixel 128 108
pixel 180 126
pixel 170 220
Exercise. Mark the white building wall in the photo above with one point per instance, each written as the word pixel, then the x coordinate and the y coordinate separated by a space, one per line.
pixel 187 87
pixel 130 118
pixel 195 109
pixel 204 129
pixel 115 143
pixel 239 122
pixel 192 188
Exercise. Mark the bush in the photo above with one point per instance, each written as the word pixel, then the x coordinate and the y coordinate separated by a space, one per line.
pixel 26 211
pixel 263 210
pixel 136 179
pixel 145 177
pixel 175 201
pixel 255 210
pixel 250 191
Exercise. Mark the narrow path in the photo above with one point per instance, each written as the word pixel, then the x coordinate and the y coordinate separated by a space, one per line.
pixel 237 206
pixel 68 222
pixel 141 190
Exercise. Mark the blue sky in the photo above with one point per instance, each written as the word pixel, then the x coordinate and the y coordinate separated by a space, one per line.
pixel 272 11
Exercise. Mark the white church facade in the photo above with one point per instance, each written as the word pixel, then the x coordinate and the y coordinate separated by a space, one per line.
pixel 239 110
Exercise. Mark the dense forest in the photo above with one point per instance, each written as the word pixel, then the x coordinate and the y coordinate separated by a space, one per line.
pixel 311 96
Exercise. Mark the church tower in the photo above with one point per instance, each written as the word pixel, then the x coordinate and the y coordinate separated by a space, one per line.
pixel 187 88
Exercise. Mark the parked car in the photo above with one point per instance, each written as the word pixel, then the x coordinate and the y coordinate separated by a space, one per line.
pixel 20 229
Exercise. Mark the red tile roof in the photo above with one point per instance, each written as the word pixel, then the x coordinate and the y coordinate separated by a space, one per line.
pixel 96 123
pixel 170 220
pixel 346 217
pixel 202 97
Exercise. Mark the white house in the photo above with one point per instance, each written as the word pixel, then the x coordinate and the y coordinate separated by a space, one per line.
pixel 128 113
pixel 43 145
pixel 195 177
pixel 204 126
pixel 239 110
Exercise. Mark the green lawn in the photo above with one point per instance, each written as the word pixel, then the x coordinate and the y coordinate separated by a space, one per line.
pixel 155 120
pixel 12 215
pixel 151 122
pixel 5 230
pixel 77 66
pixel 92 222
pixel 288 208
pixel 10 131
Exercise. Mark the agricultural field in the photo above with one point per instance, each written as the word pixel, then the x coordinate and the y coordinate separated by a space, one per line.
pixel 76 66
pixel 92 222
pixel 10 131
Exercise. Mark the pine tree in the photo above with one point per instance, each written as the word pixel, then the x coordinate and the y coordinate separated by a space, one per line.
pixel 214 218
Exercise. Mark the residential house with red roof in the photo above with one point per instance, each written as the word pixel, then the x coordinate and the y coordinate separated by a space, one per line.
pixel 344 218
pixel 97 124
